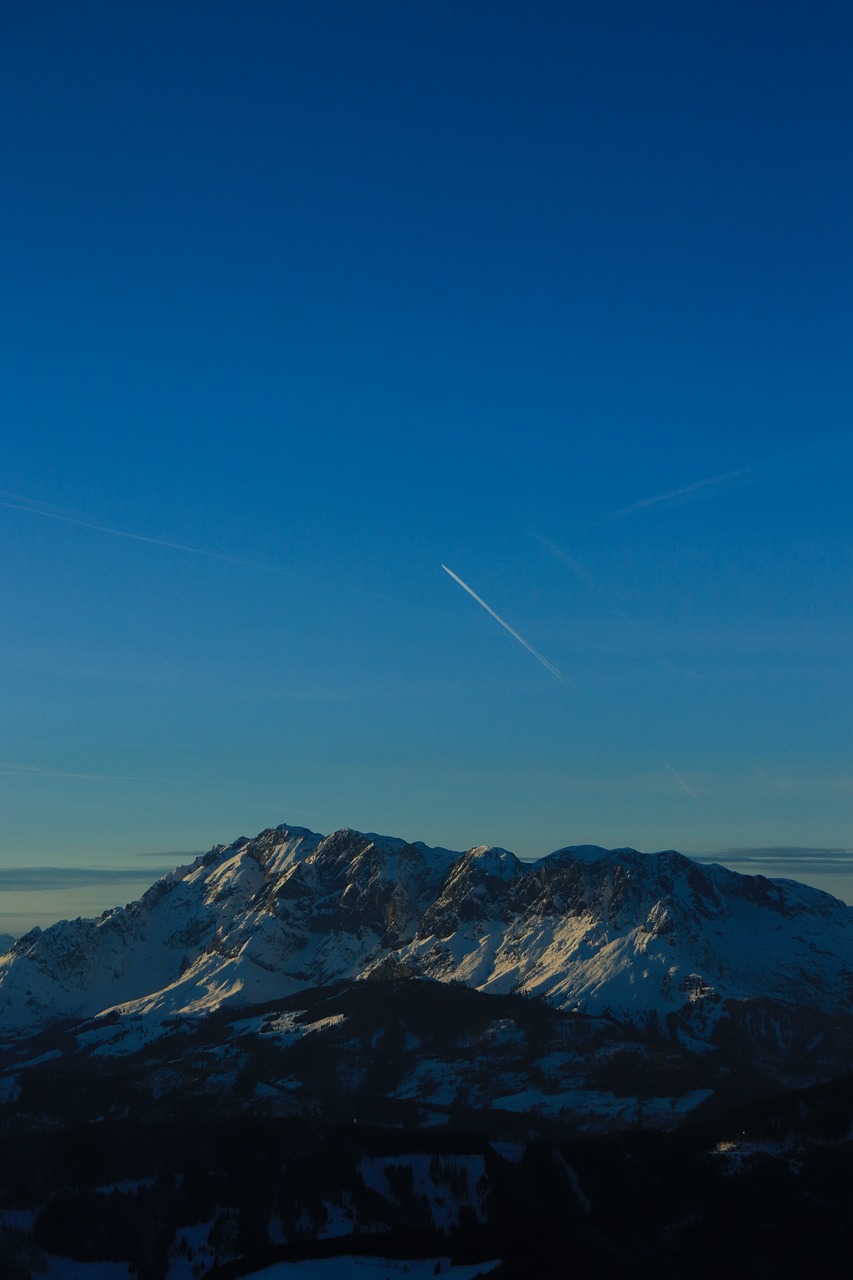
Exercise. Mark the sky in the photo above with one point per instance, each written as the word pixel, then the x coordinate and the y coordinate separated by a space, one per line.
pixel 305 304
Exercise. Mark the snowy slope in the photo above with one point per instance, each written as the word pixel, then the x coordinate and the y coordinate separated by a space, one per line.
pixel 647 938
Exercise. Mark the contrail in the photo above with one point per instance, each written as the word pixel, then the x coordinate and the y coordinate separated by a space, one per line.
pixel 808 455
pixel 674 493
pixel 521 640
pixel 134 537
pixel 575 565
pixel 680 781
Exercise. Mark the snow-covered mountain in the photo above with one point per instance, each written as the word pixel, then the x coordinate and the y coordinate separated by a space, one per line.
pixel 697 953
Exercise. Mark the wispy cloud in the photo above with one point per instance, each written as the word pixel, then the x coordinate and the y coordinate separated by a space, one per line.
pixel 783 853
pixel 175 857
pixel 15 502
pixel 521 640
pixel 36 771
pixel 680 780
pixel 34 879
pixel 791 861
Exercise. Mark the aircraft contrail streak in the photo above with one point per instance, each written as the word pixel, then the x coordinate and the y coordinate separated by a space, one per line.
pixel 576 567
pixel 136 537
pixel 521 640
pixel 808 455
pixel 680 781
pixel 675 493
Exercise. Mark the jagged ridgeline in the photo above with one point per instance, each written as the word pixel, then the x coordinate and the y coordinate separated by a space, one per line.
pixel 660 987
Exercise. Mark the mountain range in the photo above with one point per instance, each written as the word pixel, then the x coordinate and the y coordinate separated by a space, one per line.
pixel 308 1046
pixel 710 966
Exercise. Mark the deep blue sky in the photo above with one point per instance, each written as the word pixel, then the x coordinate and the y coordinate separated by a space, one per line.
pixel 340 292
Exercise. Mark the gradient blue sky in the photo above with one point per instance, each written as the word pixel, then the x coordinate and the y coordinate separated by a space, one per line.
pixel 303 301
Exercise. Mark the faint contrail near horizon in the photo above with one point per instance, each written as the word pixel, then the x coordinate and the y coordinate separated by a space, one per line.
pixel 133 537
pixel 521 640
pixel 680 780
